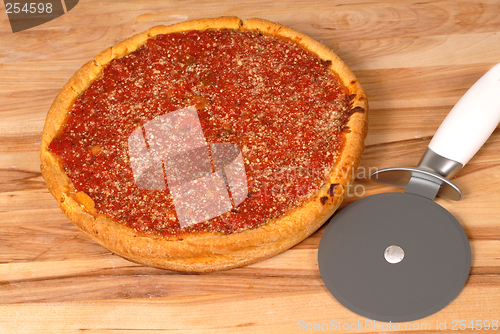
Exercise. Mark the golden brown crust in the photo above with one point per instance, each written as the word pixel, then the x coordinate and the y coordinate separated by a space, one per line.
pixel 209 251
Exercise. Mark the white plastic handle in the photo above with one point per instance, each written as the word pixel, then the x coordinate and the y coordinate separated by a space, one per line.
pixel 471 121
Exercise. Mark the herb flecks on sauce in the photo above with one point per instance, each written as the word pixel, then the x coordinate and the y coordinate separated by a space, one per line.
pixel 273 99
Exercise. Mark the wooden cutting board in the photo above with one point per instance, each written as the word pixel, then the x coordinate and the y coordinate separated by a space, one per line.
pixel 415 60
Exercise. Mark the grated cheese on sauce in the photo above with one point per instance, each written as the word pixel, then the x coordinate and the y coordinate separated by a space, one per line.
pixel 273 99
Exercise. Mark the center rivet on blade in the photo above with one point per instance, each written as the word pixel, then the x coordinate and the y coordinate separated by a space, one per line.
pixel 394 254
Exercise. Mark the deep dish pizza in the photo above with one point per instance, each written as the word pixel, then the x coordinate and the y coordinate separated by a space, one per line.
pixel 205 145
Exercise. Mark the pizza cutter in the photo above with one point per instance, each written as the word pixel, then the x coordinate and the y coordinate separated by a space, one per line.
pixel 396 256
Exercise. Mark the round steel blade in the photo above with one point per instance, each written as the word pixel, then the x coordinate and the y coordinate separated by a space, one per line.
pixel 394 257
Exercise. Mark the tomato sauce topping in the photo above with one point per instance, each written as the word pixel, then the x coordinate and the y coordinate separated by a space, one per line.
pixel 269 96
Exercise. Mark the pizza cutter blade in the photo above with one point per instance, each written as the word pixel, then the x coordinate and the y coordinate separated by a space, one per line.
pixel 398 257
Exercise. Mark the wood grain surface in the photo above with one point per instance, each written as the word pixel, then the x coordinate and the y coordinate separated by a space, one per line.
pixel 415 59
